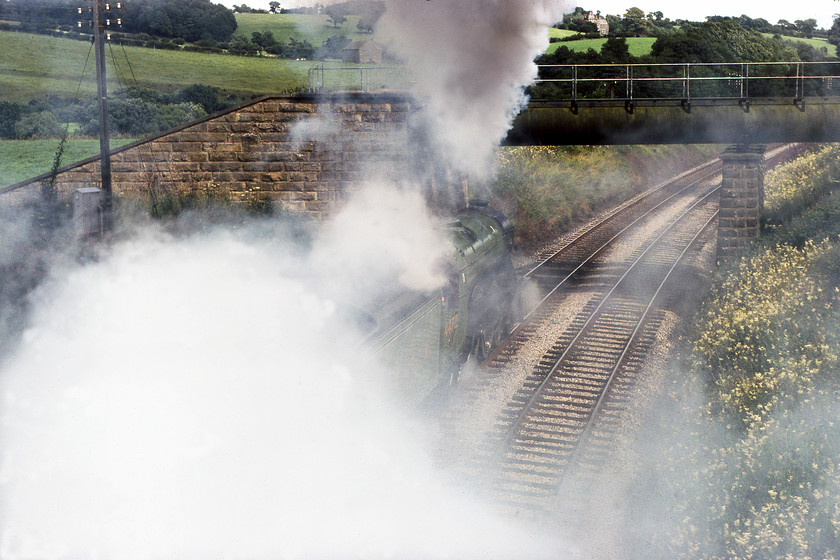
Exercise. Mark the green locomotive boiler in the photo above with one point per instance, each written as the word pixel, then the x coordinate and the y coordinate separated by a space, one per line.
pixel 425 339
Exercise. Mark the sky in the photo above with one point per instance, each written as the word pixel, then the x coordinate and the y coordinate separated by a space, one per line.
pixel 821 10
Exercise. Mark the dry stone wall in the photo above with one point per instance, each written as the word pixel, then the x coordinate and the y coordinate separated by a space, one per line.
pixel 304 153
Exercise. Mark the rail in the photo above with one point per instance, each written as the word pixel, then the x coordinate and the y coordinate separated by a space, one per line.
pixel 608 84
pixel 358 78
pixel 591 317
pixel 706 170
pixel 688 82
pixel 634 336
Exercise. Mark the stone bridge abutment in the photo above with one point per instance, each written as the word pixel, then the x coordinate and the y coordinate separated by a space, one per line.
pixel 302 153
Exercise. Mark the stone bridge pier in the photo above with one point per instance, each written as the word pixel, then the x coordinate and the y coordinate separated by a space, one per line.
pixel 741 199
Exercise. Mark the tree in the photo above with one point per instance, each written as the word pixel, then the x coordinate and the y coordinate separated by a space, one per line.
pixel 757 24
pixel 175 114
pixel 10 114
pixel 636 24
pixel 806 27
pixel 336 15
pixel 719 42
pixel 786 25
pixel 191 19
pixel 834 31
pixel 274 7
pixel 331 48
pixel 570 18
pixel 583 26
pixel 245 9
pixel 265 39
pixel 240 44
pixel 142 111
pixel 616 51
pixel 39 14
pixel 294 49
pixel 369 15
pixel 634 14
pixel 616 24
pixel 807 53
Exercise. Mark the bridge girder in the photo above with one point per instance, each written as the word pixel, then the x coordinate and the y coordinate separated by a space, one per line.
pixel 760 121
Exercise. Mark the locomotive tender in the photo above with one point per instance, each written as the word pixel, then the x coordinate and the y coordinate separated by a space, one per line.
pixel 426 339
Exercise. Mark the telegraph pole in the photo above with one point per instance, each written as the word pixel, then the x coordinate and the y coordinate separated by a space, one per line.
pixel 104 136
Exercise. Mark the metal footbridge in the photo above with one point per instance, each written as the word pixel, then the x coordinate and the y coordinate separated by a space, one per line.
pixel 683 103
pixel 687 84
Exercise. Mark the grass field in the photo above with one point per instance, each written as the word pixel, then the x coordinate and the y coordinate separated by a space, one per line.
pixel 816 42
pixel 639 46
pixel 24 159
pixel 316 28
pixel 312 28
pixel 555 33
pixel 32 65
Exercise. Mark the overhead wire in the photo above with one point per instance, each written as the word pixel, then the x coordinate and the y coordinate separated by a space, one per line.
pixel 156 176
pixel 50 186
pixel 128 62
pixel 120 79
pixel 48 189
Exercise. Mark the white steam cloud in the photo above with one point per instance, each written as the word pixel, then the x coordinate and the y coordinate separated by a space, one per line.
pixel 384 235
pixel 200 398
pixel 325 126
pixel 471 60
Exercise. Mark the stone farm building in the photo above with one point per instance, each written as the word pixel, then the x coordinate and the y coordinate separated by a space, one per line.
pixel 600 22
pixel 363 52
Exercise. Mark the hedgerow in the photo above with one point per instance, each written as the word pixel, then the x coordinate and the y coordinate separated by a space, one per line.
pixel 801 183
pixel 546 189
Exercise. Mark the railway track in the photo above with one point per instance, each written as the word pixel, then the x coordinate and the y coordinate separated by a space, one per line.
pixel 549 425
pixel 560 419
pixel 578 258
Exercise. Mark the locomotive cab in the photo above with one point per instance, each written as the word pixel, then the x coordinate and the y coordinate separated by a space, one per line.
pixel 424 339
pixel 481 236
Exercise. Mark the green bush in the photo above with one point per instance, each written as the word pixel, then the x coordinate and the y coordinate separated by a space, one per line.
pixel 42 124
pixel 333 47
pixel 801 183
pixel 146 114
pixel 175 114
pixel 547 188
pixel 210 98
pixel 10 114
pixel 207 50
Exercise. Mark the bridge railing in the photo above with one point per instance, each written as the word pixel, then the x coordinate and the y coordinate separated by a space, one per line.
pixel 687 82
pixel 358 78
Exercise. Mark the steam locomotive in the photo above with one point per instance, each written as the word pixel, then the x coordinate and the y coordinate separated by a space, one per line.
pixel 426 339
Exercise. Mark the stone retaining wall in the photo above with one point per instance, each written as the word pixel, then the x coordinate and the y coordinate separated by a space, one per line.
pixel 304 153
